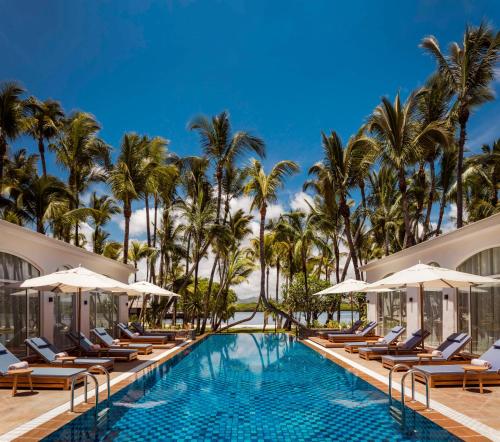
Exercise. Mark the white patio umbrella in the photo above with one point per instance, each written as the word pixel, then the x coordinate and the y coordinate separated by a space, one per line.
pixel 424 277
pixel 76 280
pixel 148 288
pixel 348 286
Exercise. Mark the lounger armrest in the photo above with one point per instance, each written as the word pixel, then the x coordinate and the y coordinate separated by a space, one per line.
pixel 425 356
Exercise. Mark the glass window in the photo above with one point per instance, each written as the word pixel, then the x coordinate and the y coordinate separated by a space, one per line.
pixel 433 316
pixel 103 311
pixel 65 313
pixel 391 310
pixel 19 309
pixel 479 310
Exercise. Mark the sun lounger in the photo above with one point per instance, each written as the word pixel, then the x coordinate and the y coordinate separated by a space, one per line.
pixel 453 374
pixel 138 327
pixel 41 377
pixel 107 340
pixel 408 346
pixel 88 348
pixel 43 348
pixel 348 331
pixel 449 349
pixel 136 337
pixel 387 340
pixel 360 336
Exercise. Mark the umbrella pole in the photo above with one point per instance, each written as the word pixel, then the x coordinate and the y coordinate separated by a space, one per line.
pixel 421 302
pixel 352 312
pixel 79 317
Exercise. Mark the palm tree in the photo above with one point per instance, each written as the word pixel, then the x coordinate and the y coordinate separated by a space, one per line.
pixel 340 167
pixel 470 70
pixel 263 188
pixel 447 174
pixel 43 123
pixel 11 118
pixel 402 138
pixel 82 154
pixel 137 252
pixel 222 147
pixel 104 207
pixel 127 179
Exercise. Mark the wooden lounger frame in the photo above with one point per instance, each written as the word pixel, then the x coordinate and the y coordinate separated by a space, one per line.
pixel 104 353
pixel 148 340
pixel 56 382
pixel 453 361
pixel 456 379
pixel 393 351
pixel 165 346
pixel 355 348
pixel 108 366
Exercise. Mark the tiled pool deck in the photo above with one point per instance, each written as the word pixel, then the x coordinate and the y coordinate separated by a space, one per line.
pixel 28 417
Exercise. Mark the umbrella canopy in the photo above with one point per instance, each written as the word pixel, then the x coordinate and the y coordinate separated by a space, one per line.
pixel 347 286
pixel 429 277
pixel 424 277
pixel 74 280
pixel 147 288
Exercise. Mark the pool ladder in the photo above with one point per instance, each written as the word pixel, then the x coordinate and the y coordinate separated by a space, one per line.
pixel 403 379
pixel 92 376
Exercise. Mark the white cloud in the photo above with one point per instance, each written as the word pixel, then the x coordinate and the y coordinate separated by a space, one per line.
pixel 300 200
pixel 138 221
pixel 87 231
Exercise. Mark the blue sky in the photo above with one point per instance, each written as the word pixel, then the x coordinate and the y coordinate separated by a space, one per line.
pixel 285 70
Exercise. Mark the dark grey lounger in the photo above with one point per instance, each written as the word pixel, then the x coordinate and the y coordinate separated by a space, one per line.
pixel 407 346
pixel 106 339
pixel 450 348
pixel 129 334
pixel 453 374
pixel 347 331
pixel 42 377
pixel 367 329
pixel 47 352
pixel 389 338
pixel 142 331
pixel 116 353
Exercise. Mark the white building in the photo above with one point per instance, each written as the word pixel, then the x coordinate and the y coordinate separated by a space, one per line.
pixel 25 254
pixel 474 248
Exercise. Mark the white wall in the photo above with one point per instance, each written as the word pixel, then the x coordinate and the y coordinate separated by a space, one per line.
pixel 449 251
pixel 49 255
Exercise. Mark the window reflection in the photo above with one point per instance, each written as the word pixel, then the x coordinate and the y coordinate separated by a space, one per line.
pixel 482 317
pixel 391 310
pixel 103 311
pixel 19 309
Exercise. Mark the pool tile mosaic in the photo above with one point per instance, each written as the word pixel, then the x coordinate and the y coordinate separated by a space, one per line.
pixel 251 388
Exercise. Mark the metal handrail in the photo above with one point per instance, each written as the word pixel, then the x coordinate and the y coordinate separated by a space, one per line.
pixel 106 372
pixel 427 391
pixel 86 375
pixel 393 369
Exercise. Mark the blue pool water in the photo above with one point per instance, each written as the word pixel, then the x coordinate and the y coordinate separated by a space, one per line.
pixel 250 387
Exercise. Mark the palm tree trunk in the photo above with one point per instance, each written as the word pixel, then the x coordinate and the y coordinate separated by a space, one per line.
pixel 127 212
pixel 442 206
pixel 336 252
pixel 408 241
pixel 344 210
pixel 463 117
pixel 277 279
pixel 206 303
pixel 430 201
pixel 3 154
pixel 41 149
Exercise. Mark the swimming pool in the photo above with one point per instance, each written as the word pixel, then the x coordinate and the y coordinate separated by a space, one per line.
pixel 250 387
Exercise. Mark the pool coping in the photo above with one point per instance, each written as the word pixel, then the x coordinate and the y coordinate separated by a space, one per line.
pixel 52 420
pixel 458 424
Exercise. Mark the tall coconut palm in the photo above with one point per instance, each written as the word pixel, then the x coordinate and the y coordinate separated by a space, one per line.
pixel 222 147
pixel 434 106
pixel 104 207
pixel 137 252
pixel 263 188
pixel 83 154
pixel 402 138
pixel 470 70
pixel 43 123
pixel 12 113
pixel 127 179
pixel 340 166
